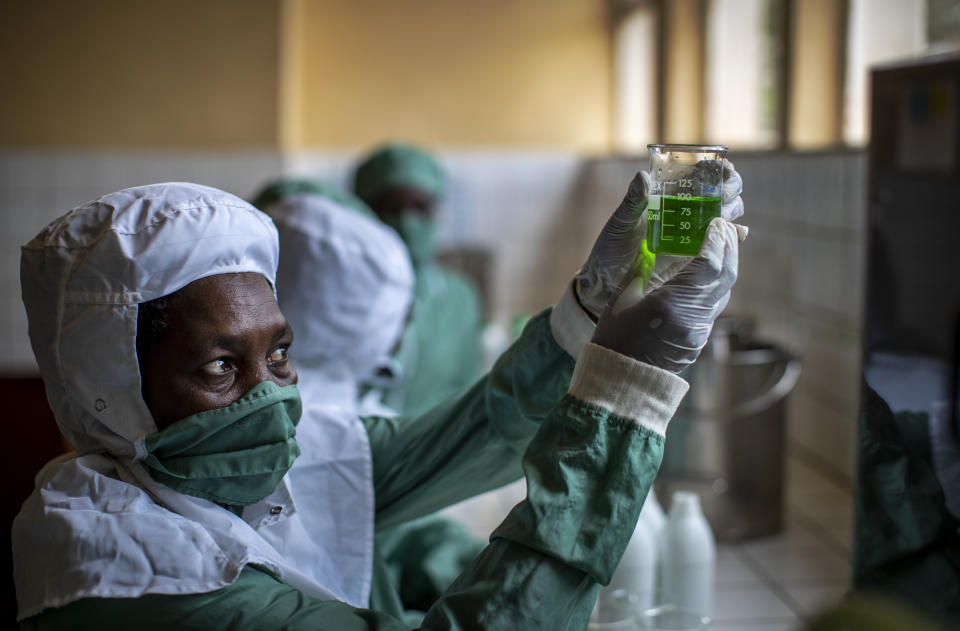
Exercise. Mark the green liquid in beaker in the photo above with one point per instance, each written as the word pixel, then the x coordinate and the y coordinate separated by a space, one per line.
pixel 676 224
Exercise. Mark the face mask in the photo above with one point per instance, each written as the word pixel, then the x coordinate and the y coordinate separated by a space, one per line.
pixel 235 455
pixel 418 232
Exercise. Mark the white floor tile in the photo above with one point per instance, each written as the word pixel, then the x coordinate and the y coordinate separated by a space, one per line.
pixel 841 539
pixel 813 496
pixel 833 530
pixel 732 574
pixel 792 537
pixel 830 517
pixel 786 624
pixel 802 563
pixel 751 603
pixel 801 484
pixel 805 480
pixel 813 599
pixel 797 462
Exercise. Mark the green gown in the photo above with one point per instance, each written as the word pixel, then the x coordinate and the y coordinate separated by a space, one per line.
pixel 441 346
pixel 588 470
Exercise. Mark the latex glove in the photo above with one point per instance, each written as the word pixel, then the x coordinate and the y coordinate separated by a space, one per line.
pixel 669 326
pixel 615 249
pixel 619 245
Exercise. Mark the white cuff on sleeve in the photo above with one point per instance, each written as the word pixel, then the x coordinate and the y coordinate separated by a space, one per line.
pixel 639 392
pixel 570 324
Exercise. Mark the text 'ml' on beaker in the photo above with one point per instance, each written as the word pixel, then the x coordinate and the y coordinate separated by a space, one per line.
pixel 686 181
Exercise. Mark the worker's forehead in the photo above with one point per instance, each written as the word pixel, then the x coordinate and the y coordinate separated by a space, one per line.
pixel 404 198
pixel 224 303
pixel 406 192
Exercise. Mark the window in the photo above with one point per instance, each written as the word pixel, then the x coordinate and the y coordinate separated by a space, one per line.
pixel 878 31
pixel 761 74
pixel 744 53
pixel 635 81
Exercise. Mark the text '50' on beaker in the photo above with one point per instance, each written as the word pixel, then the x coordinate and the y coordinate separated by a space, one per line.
pixel 686 182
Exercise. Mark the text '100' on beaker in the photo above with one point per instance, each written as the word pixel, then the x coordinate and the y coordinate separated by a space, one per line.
pixel 686 182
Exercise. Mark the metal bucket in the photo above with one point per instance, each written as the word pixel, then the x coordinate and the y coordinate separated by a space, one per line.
pixel 726 441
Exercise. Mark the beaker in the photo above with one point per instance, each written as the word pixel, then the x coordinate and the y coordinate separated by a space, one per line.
pixel 685 185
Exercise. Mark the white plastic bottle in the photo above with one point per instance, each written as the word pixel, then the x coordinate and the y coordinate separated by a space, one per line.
pixel 636 573
pixel 690 556
pixel 652 515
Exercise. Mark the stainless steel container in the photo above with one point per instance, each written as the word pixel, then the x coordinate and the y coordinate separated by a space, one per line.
pixel 726 441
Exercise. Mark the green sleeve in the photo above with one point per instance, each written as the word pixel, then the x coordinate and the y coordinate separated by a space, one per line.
pixel 588 473
pixel 469 443
pixel 423 557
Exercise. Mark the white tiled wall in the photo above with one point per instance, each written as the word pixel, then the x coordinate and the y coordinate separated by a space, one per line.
pixel 800 277
pixel 38 186
pixel 804 282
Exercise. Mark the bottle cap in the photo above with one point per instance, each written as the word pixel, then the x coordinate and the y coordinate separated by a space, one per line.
pixel 684 503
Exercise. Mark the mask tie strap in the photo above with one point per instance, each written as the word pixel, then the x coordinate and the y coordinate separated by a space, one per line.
pixel 140 447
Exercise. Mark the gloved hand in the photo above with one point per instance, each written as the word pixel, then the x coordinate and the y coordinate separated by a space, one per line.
pixel 668 326
pixel 618 247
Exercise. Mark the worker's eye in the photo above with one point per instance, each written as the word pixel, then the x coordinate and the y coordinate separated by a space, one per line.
pixel 216 367
pixel 279 354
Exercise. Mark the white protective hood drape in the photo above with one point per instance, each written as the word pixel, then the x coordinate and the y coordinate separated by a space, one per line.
pixel 345 284
pixel 97 525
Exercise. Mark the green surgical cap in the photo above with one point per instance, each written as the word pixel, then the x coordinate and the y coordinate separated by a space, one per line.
pixel 398 165
pixel 278 189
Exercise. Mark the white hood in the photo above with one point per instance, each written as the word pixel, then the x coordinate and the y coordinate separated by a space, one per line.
pixel 345 284
pixel 85 274
pixel 98 525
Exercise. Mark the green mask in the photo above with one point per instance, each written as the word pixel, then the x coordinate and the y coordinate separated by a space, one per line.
pixel 418 232
pixel 235 455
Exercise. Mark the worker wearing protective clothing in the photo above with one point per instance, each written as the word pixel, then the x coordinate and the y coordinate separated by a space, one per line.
pixel 345 285
pixel 441 348
pixel 367 283
pixel 348 319
pixel 426 555
pixel 907 534
pixel 439 355
pixel 147 524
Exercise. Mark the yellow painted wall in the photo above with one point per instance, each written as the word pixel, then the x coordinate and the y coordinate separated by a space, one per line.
pixel 683 69
pixel 816 82
pixel 530 73
pixel 304 73
pixel 139 73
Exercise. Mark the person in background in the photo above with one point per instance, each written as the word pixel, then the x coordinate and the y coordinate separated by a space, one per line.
pixel 348 320
pixel 345 285
pixel 319 247
pixel 907 529
pixel 279 189
pixel 441 351
pixel 403 184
